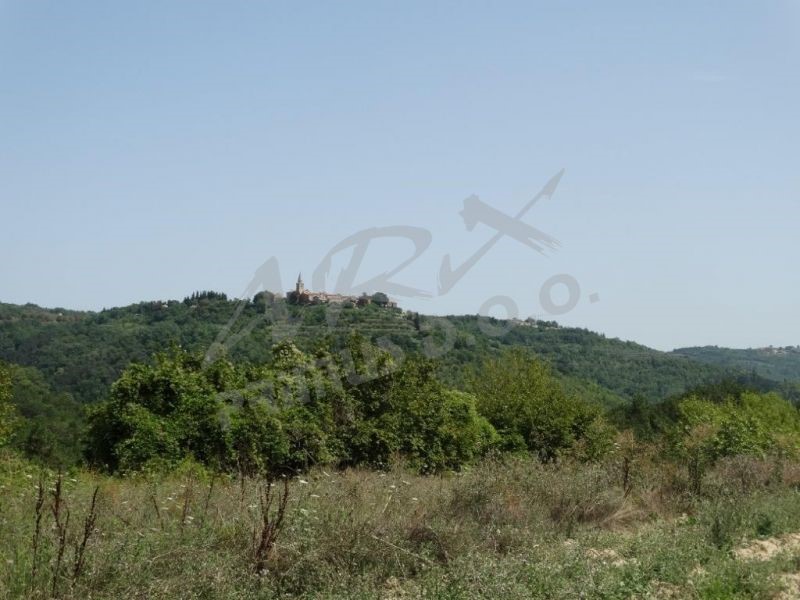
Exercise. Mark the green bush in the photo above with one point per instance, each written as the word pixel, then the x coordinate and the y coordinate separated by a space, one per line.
pixel 436 428
pixel 168 410
pixel 151 438
pixel 528 408
pixel 749 425
pixel 257 439
pixel 298 411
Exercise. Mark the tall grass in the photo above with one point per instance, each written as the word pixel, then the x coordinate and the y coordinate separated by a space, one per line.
pixel 510 528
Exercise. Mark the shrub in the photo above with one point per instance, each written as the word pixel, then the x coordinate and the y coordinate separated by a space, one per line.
pixel 750 425
pixel 526 405
pixel 150 439
pixel 410 413
pixel 436 428
pixel 257 439
pixel 167 410
pixel 296 412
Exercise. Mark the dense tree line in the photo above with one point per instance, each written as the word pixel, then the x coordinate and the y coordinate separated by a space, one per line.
pixel 83 353
pixel 7 411
pixel 356 406
pixel 777 364
pixel 41 423
pixel 68 361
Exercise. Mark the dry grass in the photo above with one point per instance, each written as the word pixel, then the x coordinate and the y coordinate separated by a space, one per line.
pixel 514 528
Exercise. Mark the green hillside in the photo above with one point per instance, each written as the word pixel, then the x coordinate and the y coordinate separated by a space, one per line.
pixel 777 364
pixel 82 353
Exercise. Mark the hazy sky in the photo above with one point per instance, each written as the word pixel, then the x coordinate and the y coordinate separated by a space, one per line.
pixel 150 149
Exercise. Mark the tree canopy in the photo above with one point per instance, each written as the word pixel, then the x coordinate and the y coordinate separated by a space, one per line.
pixel 530 410
pixel 300 409
pixel 7 412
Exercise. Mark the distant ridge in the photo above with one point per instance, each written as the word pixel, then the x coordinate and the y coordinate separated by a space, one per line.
pixel 775 363
pixel 81 353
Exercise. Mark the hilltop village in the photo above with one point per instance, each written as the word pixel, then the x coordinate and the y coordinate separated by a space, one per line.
pixel 301 295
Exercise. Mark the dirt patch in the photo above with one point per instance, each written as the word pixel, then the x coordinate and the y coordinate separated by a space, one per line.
pixel 607 556
pixel 791 587
pixel 698 572
pixel 661 590
pixel 394 589
pixel 768 549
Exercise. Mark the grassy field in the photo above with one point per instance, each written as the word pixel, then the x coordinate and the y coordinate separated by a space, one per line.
pixel 510 529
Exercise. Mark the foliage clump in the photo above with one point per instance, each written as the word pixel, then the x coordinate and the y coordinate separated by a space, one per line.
pixel 531 411
pixel 354 407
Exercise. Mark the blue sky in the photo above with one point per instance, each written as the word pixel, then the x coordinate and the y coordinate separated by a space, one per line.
pixel 150 149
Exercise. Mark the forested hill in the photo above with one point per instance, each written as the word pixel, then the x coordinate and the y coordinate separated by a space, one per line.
pixel 777 364
pixel 82 353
